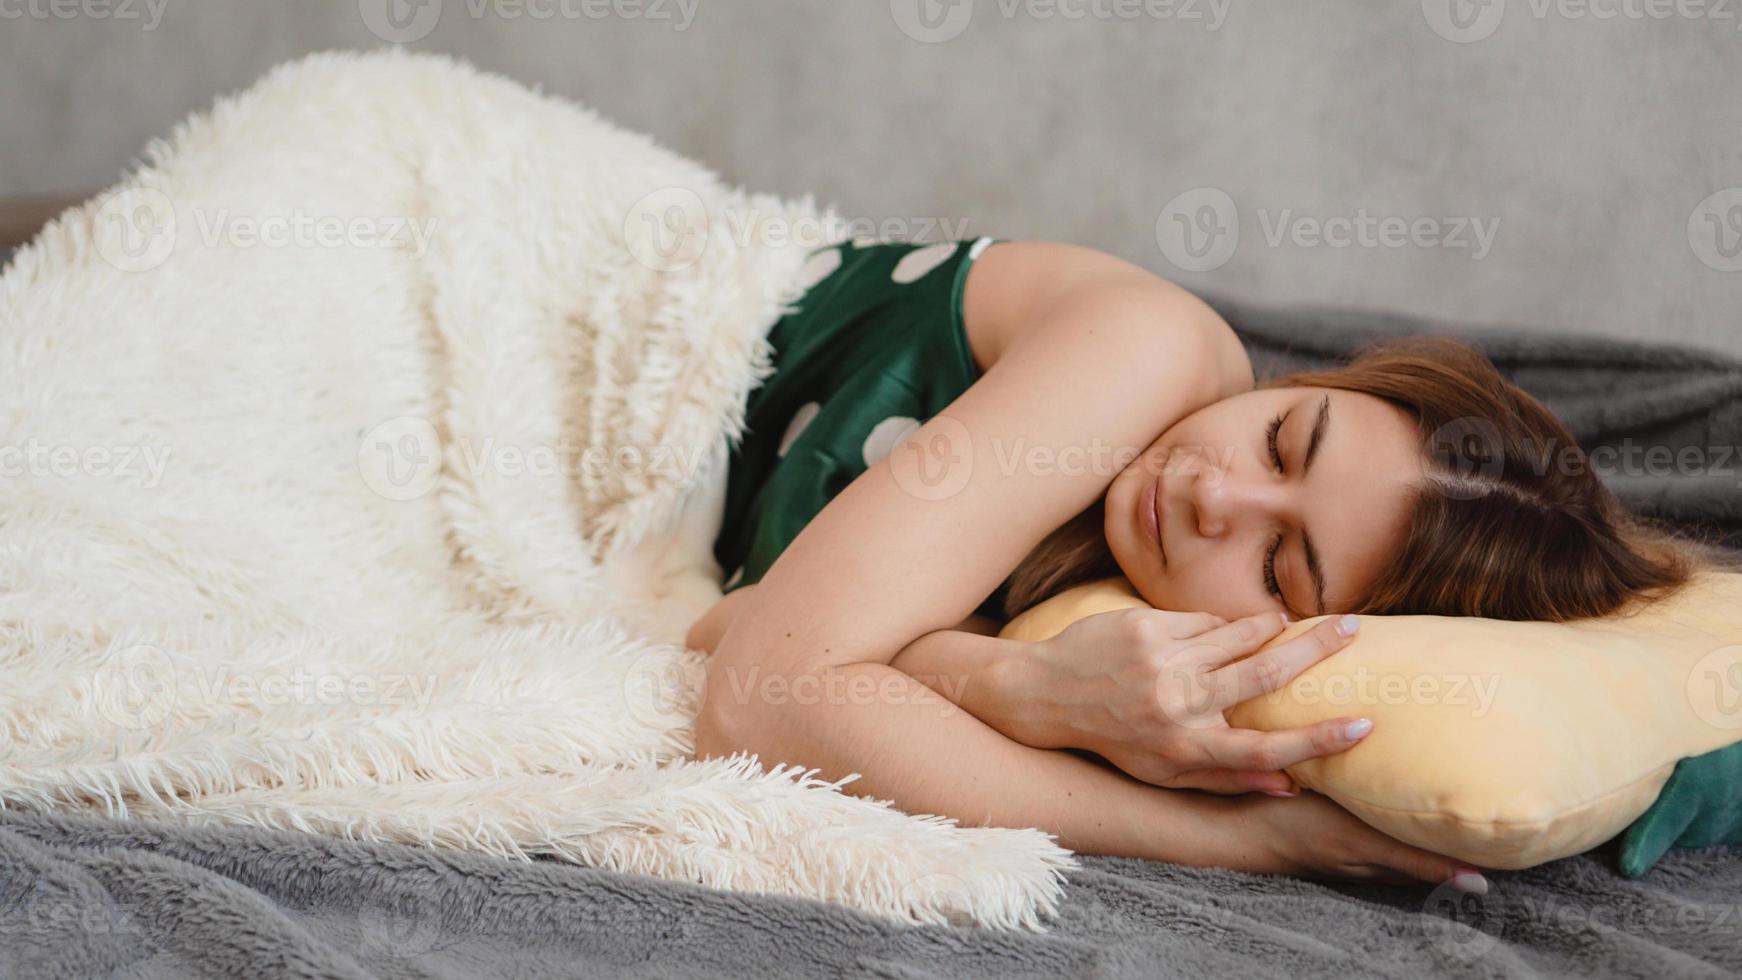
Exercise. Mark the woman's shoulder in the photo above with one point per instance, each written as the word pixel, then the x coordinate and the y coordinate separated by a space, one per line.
pixel 1017 287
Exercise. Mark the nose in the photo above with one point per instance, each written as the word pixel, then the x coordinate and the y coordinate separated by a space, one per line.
pixel 1227 499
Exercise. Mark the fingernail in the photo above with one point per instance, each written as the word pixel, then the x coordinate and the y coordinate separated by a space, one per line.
pixel 1470 881
pixel 1286 618
pixel 1358 728
pixel 1349 625
pixel 1283 793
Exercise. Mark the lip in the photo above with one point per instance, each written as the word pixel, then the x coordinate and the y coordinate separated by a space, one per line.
pixel 1149 513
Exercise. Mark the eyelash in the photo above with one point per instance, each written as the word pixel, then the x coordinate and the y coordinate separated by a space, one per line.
pixel 1270 437
pixel 1270 582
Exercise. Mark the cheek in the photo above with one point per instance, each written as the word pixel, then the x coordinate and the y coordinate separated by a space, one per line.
pixel 1212 582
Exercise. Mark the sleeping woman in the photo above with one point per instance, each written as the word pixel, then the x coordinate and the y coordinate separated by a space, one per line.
pixel 956 432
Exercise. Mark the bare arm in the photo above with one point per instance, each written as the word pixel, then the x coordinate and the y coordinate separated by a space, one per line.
pixel 705 633
pixel 968 770
pixel 888 562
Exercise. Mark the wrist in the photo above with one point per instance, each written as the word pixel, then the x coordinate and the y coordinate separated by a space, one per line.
pixel 1186 827
pixel 1244 838
pixel 1026 688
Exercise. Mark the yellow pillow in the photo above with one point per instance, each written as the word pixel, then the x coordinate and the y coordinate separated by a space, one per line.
pixel 1504 744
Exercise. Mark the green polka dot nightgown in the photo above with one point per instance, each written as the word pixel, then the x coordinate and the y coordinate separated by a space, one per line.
pixel 875 347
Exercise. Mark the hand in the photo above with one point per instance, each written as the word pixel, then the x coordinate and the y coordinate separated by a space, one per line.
pixel 1145 689
pixel 1312 837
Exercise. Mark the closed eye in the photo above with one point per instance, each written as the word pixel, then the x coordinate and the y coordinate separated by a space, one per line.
pixel 1271 584
pixel 1270 436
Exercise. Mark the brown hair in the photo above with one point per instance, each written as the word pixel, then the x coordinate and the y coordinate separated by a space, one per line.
pixel 1511 521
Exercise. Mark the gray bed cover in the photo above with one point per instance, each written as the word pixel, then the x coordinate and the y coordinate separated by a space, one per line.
pixel 95 898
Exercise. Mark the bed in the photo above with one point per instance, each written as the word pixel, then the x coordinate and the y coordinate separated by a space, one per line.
pixel 85 896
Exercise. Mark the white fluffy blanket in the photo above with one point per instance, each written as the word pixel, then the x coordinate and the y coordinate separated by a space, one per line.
pixel 359 465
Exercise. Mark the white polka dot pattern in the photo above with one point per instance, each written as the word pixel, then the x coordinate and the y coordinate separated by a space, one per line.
pixel 818 267
pixel 886 435
pixel 915 264
pixel 795 428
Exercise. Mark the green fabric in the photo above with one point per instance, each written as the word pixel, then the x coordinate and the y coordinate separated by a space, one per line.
pixel 1700 806
pixel 872 350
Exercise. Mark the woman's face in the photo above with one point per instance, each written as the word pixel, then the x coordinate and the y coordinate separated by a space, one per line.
pixel 1276 499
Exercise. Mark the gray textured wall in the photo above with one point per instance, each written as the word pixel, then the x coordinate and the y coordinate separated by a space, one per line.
pixel 1599 142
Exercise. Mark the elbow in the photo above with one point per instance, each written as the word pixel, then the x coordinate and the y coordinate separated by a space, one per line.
pixel 717 731
pixel 724 725
pixel 740 719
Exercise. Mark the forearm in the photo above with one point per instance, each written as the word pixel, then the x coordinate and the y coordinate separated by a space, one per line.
pixel 927 755
pixel 981 674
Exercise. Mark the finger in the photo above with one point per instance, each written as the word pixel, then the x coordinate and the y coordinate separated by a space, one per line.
pixel 1434 868
pixel 1272 669
pixel 1234 781
pixel 1218 646
pixel 1242 748
pixel 1184 625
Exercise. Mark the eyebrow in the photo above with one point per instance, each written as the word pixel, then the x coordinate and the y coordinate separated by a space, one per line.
pixel 1315 570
